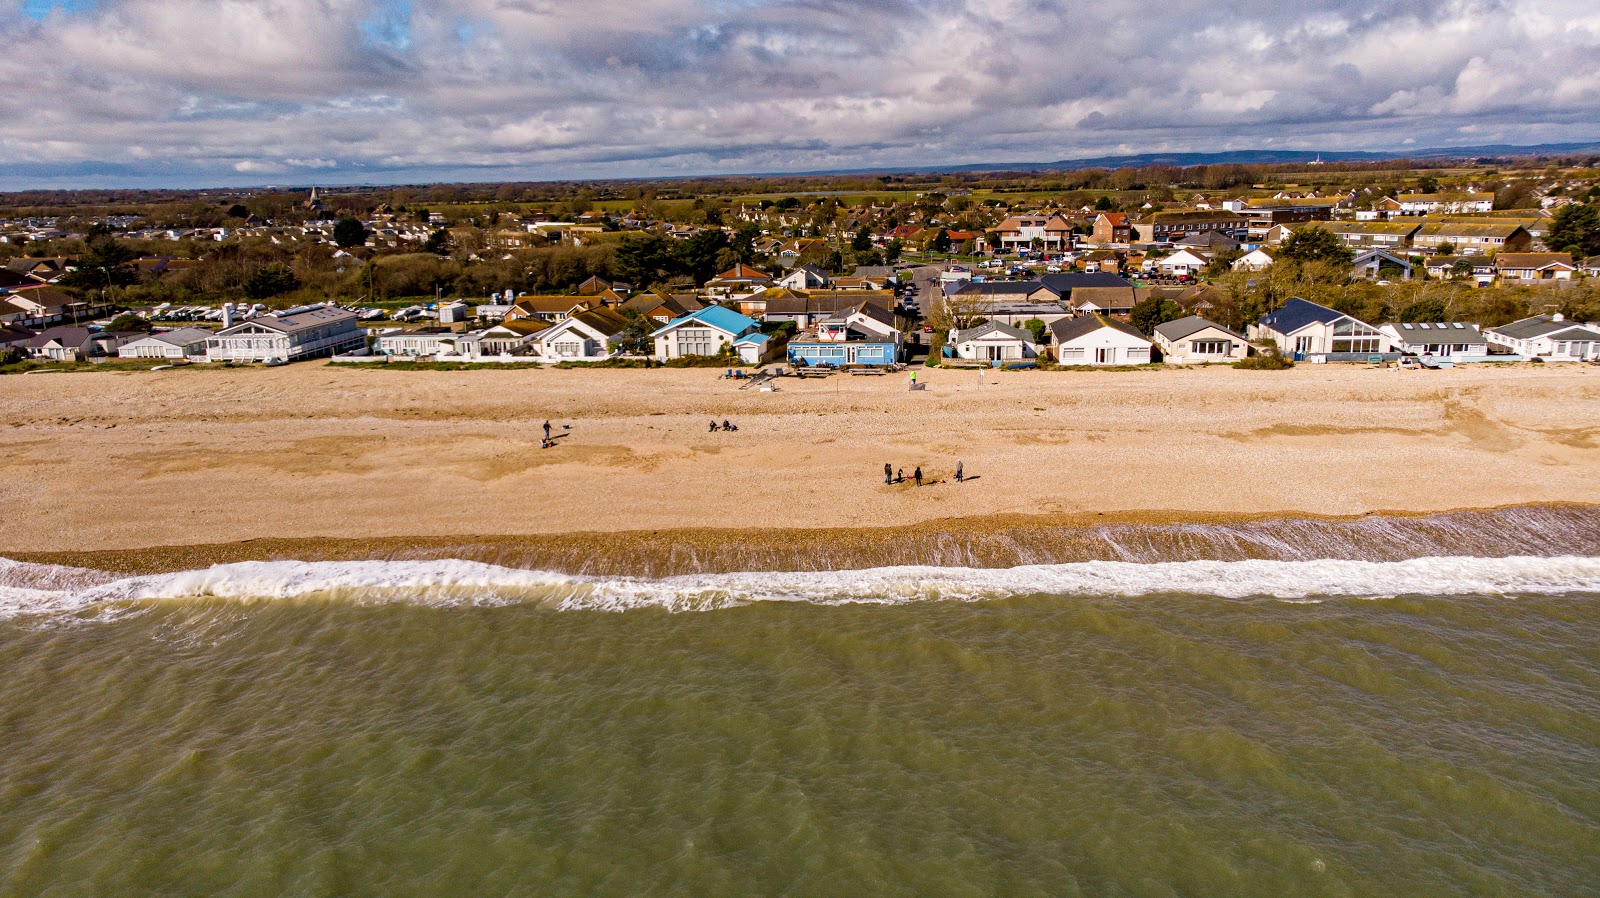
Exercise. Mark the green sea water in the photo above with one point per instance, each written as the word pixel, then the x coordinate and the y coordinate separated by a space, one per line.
pixel 1033 745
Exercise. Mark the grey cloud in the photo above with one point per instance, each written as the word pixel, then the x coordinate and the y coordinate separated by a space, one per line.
pixel 549 88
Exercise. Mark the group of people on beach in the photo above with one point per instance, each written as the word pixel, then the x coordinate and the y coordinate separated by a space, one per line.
pixel 723 426
pixel 891 475
pixel 549 441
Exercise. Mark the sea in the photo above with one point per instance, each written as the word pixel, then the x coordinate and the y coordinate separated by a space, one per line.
pixel 1387 706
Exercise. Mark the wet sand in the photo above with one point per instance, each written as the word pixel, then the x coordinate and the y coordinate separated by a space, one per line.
pixel 365 461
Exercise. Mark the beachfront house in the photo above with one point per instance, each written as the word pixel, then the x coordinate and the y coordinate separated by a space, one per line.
pixel 423 343
pixel 1318 333
pixel 1549 337
pixel 311 333
pixel 75 344
pixel 187 343
pixel 1195 340
pixel 707 332
pixel 590 335
pixel 992 342
pixel 1454 341
pixel 864 334
pixel 1098 340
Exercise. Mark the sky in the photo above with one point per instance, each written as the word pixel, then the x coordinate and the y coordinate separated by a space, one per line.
pixel 194 93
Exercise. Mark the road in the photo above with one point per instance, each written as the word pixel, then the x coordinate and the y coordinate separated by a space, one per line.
pixel 926 279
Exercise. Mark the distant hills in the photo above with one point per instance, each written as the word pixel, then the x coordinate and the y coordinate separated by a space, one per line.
pixel 1241 157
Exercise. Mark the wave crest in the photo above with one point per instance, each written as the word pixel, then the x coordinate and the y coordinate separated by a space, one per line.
pixel 32 589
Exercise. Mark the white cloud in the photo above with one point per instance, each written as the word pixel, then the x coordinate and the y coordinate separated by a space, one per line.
pixel 549 88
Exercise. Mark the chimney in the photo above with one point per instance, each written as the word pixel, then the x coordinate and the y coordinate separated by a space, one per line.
pixel 1558 317
pixel 227 314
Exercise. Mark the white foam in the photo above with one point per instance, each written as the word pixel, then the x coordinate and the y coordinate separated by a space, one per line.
pixel 466 582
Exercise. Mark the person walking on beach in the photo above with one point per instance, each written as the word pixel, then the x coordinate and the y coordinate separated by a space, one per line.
pixel 917 475
pixel 900 476
pixel 888 474
pixel 547 430
pixel 959 478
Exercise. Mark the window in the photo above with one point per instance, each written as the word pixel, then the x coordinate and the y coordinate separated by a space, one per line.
pixel 1071 355
pixel 1210 347
pixel 1105 355
pixel 1355 344
pixel 1305 344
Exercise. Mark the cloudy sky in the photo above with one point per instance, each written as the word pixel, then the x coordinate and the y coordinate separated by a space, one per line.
pixel 215 92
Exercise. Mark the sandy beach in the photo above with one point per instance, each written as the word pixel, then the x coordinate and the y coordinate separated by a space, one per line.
pixel 115 461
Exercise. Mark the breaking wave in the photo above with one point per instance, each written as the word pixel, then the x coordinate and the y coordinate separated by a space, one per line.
pixel 38 589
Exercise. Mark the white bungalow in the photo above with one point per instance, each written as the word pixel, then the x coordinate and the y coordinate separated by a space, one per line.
pixel 1306 329
pixel 588 336
pixel 706 332
pixel 1183 262
pixel 319 331
pixel 510 338
pixel 1098 340
pixel 425 343
pixel 1255 260
pixel 993 342
pixel 806 277
pixel 1451 340
pixel 185 343
pixel 1195 340
pixel 753 349
pixel 1548 337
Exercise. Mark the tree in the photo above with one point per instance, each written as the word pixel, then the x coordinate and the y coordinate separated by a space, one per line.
pixel 349 232
pixel 269 281
pixel 1151 311
pixel 1431 309
pixel 438 243
pixel 744 240
pixel 645 261
pixel 1104 204
pixel 1575 226
pixel 862 241
pixel 1038 328
pixel 128 322
pixel 697 256
pixel 1461 269
pixel 960 311
pixel 892 250
pixel 941 242
pixel 1315 245
pixel 102 263
pixel 1222 262
pixel 238 211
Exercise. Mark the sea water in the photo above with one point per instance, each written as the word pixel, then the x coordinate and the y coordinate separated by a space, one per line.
pixel 1423 725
